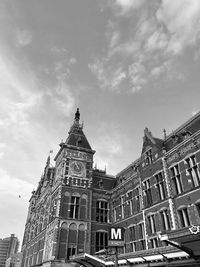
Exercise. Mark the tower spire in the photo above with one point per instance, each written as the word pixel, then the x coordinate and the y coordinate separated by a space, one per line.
pixel 77 116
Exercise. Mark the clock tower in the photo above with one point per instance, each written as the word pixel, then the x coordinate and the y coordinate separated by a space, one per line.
pixel 75 158
pixel 73 180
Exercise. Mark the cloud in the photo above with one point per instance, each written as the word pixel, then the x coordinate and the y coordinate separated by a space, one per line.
pixel 23 37
pixel 118 76
pixel 59 50
pixel 29 107
pixel 64 99
pixel 2 147
pixel 72 61
pixel 126 5
pixel 13 186
pixel 14 197
pixel 24 93
pixel 114 39
pixel 194 112
pixel 155 34
pixel 136 74
pixel 20 95
pixel 108 77
pixel 108 144
pixel 157 41
pixel 182 20
pixel 159 70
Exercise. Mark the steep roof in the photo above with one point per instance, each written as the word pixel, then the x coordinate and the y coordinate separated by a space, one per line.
pixel 150 141
pixel 76 136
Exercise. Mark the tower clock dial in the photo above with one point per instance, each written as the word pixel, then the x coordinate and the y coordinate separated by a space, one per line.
pixel 77 168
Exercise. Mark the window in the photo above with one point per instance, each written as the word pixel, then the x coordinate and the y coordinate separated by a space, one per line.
pixel 101 240
pixel 183 217
pixel 114 211
pixel 154 242
pixel 141 236
pixel 198 208
pixel 130 201
pixel 152 225
pixel 147 192
pixel 132 233
pixel 160 185
pixel 141 230
pixel 192 170
pixel 137 200
pixel 74 207
pixel 176 179
pixel 148 157
pixel 164 214
pixel 142 244
pixel 122 205
pixel 133 246
pixel 101 211
pixel 71 251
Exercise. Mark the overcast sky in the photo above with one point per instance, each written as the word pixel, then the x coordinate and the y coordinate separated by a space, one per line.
pixel 127 64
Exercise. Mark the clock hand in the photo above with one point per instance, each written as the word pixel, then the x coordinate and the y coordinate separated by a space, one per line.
pixel 76 165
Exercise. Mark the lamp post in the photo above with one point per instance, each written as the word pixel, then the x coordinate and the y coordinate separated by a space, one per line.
pixel 116 257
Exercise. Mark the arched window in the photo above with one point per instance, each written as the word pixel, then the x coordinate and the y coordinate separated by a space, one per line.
pixel 102 211
pixel 101 240
pixel 81 238
pixel 74 206
pixel 83 209
pixel 72 240
pixel 63 241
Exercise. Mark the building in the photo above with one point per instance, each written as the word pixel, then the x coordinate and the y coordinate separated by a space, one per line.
pixel 8 246
pixel 156 199
pixel 14 260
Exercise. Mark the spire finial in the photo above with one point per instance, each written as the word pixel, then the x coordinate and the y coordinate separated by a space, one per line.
pixel 165 134
pixel 77 115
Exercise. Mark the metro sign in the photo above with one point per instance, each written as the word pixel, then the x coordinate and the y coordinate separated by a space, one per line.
pixel 116 237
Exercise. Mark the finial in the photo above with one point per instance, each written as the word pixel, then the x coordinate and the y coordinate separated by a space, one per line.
pixel 165 135
pixel 48 161
pixel 77 115
pixel 48 158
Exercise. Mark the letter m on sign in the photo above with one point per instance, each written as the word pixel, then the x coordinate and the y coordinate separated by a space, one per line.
pixel 116 236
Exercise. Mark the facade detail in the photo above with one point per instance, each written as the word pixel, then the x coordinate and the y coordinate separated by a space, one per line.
pixel 156 199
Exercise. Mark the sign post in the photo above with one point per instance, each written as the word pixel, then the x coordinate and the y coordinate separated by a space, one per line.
pixel 116 239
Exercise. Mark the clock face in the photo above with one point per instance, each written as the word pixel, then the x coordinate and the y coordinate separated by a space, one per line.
pixel 77 168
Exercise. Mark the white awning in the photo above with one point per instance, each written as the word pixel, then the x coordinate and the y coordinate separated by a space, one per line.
pixel 139 259
pixel 122 261
pixel 153 257
pixel 176 255
pixel 109 263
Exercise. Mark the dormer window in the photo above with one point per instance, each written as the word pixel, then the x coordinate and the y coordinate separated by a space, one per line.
pixel 186 134
pixel 100 183
pixel 79 141
pixel 148 157
pixel 175 139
